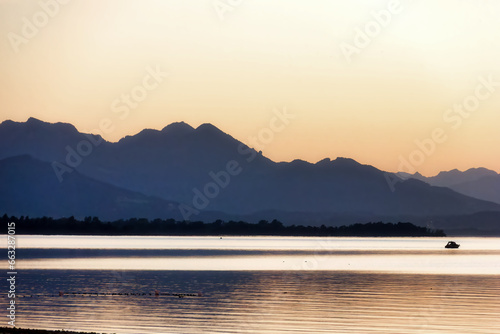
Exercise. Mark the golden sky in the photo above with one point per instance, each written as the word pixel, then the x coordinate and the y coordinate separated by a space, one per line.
pixel 378 81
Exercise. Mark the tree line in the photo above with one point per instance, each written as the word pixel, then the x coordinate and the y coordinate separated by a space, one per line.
pixel 142 226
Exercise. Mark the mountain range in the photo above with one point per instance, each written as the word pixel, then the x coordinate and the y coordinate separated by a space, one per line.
pixel 202 173
pixel 480 183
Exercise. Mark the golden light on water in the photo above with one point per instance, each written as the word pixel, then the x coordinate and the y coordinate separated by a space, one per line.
pixel 412 263
pixel 258 284
pixel 477 256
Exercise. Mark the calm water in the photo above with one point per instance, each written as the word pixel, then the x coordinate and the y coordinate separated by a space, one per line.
pixel 259 284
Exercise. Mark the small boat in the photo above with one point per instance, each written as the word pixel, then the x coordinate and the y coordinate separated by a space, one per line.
pixel 452 244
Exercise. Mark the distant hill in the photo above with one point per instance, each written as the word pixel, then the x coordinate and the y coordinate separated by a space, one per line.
pixel 486 188
pixel 479 183
pixel 41 140
pixel 30 188
pixel 211 175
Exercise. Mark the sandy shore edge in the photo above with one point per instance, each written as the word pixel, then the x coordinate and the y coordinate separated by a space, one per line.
pixel 15 330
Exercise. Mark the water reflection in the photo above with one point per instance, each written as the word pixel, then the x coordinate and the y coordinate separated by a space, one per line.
pixel 246 243
pixel 405 255
pixel 266 302
pixel 456 263
pixel 259 285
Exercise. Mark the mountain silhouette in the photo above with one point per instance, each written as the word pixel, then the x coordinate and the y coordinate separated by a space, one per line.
pixel 453 177
pixel 31 189
pixel 479 183
pixel 207 170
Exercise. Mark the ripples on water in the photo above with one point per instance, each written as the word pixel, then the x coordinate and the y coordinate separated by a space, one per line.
pixel 397 285
pixel 262 302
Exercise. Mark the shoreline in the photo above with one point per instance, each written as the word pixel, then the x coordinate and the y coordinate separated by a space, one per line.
pixel 16 330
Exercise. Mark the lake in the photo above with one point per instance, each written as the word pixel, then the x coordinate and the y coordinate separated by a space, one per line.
pixel 258 284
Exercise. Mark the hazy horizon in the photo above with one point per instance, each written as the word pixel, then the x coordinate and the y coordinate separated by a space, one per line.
pixel 375 82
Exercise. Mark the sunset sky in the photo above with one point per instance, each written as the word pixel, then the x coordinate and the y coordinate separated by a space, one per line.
pixel 363 79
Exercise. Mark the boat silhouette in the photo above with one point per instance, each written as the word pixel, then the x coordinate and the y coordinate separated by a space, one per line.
pixel 452 244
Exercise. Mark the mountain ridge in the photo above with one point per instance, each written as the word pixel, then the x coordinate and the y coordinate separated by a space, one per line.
pixel 208 170
pixel 481 183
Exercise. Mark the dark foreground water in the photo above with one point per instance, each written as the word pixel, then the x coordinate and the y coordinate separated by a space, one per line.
pixel 260 285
